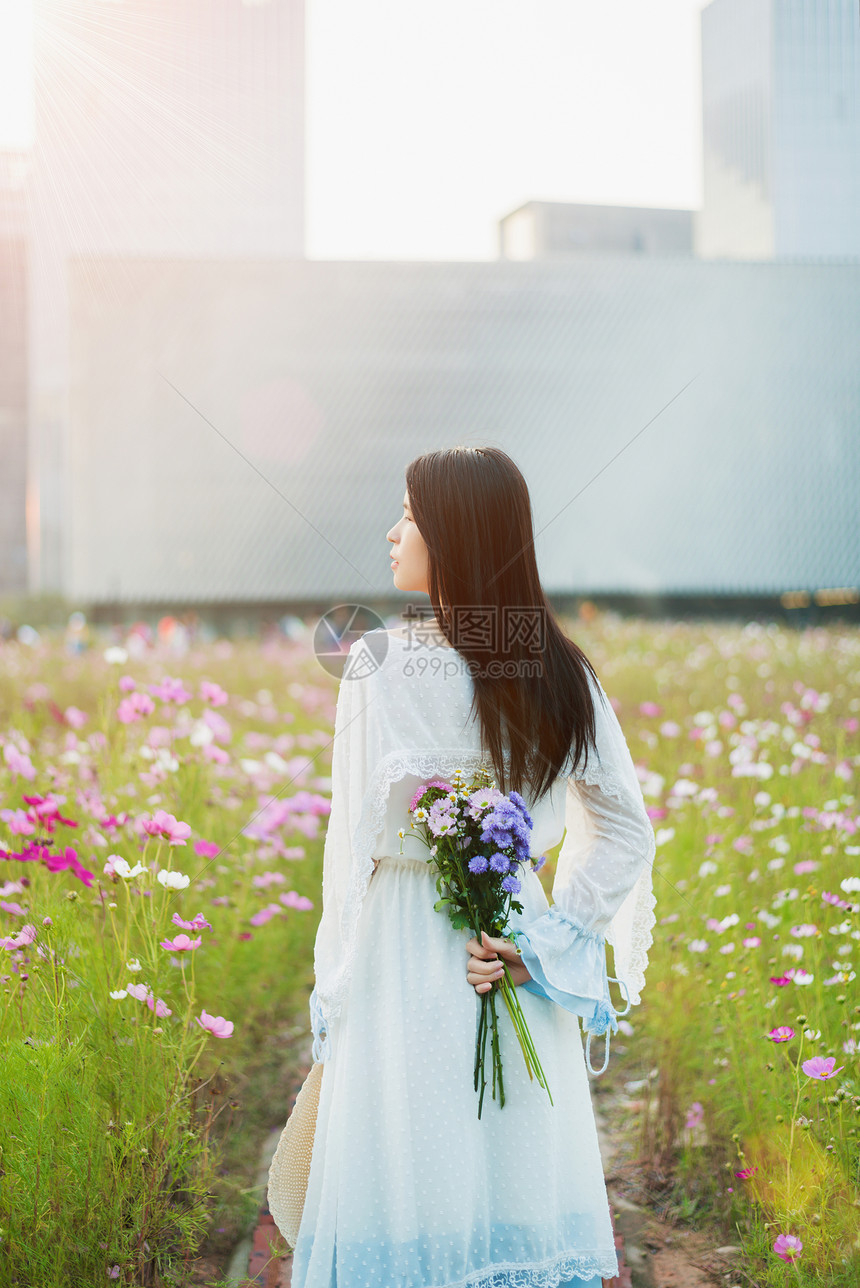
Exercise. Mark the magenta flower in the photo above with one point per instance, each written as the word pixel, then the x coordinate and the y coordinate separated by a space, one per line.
pixel 745 1173
pixel 787 1246
pixel 164 824
pixel 216 1024
pixel 180 944
pixel 782 1034
pixel 780 980
pixel 821 1067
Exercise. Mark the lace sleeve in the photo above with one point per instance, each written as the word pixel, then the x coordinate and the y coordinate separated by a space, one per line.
pixel 602 890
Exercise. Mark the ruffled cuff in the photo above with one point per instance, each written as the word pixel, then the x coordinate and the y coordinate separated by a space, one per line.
pixel 321 1046
pixel 567 964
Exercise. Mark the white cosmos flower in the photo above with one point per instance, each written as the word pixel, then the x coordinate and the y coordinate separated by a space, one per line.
pixel 173 880
pixel 122 868
pixel 118 993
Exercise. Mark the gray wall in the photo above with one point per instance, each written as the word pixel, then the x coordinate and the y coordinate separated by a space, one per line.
pixel 328 377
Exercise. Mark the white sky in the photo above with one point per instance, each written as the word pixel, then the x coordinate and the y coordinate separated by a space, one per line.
pixel 429 119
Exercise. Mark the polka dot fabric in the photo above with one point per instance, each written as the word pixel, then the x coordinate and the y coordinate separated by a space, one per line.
pixel 407 1187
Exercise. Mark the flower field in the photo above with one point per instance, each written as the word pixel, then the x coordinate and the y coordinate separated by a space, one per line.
pixel 161 826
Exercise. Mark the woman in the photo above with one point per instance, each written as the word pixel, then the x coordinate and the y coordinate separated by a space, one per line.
pixel 408 1188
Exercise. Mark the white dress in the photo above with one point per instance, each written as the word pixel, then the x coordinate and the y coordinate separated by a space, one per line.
pixel 408 1188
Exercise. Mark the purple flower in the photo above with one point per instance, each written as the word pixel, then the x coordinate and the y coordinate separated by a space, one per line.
pixel 478 864
pixel 522 807
pixel 537 864
pixel 787 1246
pixel 821 1067
pixel 499 862
pixel 511 885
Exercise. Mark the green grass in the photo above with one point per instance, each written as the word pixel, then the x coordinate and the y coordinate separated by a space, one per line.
pixel 121 1144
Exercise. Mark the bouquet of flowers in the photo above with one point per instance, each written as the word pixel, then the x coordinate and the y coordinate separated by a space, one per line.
pixel 478 838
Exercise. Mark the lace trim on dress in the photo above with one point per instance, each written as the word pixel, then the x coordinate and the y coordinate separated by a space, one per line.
pixel 549 1274
pixel 393 767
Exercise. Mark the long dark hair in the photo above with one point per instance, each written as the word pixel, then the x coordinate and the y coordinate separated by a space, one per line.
pixel 473 510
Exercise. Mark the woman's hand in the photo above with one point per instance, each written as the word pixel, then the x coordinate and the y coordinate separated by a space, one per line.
pixel 485 966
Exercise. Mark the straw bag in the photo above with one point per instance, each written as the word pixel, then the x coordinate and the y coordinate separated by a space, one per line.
pixel 291 1163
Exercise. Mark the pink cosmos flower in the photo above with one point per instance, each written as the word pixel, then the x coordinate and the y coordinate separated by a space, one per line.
pixel 18 821
pixel 206 849
pixel 47 810
pixel 265 914
pixel 787 1246
pixel 649 709
pixel 745 1173
pixel 25 936
pixel 138 991
pixel 164 824
pixel 180 944
pixel 805 865
pixel 134 707
pixel 821 1067
pixel 780 980
pixel 782 1034
pixel 197 924
pixel 216 1024
pixel 834 899
pixel 695 1115
pixel 170 690
pixel 297 901
pixel 161 1008
pixel 804 931
pixel 446 787
pixel 211 692
pixel 127 683
pixel 752 941
pixel 68 859
pixel 75 718
pixel 20 764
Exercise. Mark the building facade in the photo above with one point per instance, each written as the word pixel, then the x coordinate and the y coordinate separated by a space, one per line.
pixel 561 229
pixel 241 430
pixel 163 128
pixel 13 371
pixel 781 130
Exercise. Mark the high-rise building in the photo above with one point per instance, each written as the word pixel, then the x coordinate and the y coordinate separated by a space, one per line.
pixel 163 128
pixel 781 129
pixel 13 371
